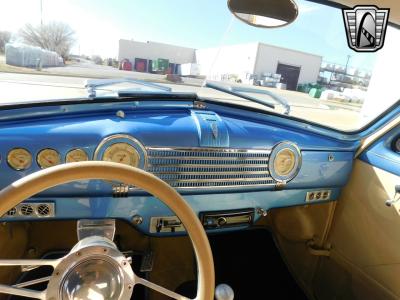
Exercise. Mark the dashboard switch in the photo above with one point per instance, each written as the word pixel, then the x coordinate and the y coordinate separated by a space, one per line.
pixel 166 224
pixel 318 195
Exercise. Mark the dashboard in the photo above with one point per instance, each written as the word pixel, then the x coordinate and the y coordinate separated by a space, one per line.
pixel 230 165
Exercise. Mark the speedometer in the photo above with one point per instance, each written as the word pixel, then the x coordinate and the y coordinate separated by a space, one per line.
pixel 122 153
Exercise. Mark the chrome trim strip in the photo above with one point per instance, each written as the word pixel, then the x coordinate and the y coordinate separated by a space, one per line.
pixel 266 172
pixel 261 159
pixel 214 149
pixel 202 180
pixel 209 187
pixel 202 165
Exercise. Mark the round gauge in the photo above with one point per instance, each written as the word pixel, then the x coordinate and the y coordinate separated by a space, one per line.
pixel 47 158
pixel 19 159
pixel 76 155
pixel 122 153
pixel 284 162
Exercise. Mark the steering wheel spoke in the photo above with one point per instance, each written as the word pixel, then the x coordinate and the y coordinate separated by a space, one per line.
pixel 95 249
pixel 160 289
pixel 6 289
pixel 29 262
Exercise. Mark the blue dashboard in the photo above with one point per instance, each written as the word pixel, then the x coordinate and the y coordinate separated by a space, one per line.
pixel 219 158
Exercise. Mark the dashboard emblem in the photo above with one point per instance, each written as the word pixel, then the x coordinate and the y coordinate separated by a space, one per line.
pixel 214 129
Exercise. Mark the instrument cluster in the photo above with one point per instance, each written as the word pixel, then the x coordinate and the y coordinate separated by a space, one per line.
pixel 119 148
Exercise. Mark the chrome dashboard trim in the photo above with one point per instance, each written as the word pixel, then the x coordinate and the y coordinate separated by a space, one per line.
pixel 210 168
pixel 209 149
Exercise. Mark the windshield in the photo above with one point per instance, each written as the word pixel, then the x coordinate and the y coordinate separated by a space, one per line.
pixel 50 48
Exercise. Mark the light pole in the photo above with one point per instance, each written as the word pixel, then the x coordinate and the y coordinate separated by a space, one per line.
pixel 41 12
pixel 347 63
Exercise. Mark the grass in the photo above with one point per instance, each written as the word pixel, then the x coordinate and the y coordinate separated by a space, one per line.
pixel 15 69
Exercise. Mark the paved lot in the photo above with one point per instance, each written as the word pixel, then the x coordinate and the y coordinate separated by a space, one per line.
pixel 61 83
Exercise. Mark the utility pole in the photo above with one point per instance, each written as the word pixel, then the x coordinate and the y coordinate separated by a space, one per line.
pixel 41 12
pixel 347 63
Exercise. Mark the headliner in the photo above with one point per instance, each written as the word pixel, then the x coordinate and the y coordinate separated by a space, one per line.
pixel 394 5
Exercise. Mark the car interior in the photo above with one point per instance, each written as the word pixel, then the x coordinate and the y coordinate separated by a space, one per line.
pixel 169 195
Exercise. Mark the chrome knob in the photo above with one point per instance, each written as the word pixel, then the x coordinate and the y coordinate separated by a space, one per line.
pixel 224 292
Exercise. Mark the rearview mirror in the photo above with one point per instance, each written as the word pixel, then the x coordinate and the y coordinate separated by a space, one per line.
pixel 264 13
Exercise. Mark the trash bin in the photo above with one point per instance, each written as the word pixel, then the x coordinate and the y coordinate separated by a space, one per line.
pixel 315 93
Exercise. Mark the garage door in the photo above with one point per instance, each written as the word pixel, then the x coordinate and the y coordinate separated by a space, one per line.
pixel 289 75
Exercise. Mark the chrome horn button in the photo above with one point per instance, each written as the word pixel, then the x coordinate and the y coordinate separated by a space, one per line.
pixel 94 269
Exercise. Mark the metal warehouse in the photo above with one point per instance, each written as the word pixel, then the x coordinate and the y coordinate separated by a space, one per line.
pixel 253 63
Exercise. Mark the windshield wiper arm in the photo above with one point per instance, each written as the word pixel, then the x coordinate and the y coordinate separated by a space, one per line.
pixel 239 92
pixel 93 84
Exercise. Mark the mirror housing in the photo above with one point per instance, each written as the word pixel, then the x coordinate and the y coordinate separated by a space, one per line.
pixel 264 13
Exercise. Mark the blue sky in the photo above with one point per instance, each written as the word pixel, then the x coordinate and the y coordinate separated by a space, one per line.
pixel 192 23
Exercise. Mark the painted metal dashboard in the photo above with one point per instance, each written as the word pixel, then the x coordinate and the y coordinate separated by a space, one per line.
pixel 217 157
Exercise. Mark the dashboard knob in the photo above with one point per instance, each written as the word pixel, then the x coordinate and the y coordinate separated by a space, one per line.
pixel 224 292
pixel 221 221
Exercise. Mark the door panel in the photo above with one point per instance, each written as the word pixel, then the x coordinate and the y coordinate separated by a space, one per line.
pixel 289 75
pixel 384 153
pixel 365 239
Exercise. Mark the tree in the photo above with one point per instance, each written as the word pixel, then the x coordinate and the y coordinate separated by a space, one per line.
pixel 97 59
pixel 5 37
pixel 54 36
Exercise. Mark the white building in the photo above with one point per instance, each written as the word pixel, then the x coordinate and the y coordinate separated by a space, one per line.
pixel 133 50
pixel 236 61
pixel 295 67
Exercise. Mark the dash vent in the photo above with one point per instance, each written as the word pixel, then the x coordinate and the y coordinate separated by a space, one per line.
pixel 31 210
pixel 26 209
pixel 43 210
pixel 11 212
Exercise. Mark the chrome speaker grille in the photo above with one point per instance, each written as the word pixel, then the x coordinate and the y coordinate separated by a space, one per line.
pixel 210 167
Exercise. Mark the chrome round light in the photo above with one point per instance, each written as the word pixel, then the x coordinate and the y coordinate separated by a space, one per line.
pixel 284 162
pixel 93 279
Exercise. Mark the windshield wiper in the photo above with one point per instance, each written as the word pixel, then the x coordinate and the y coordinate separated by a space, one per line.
pixel 240 92
pixel 93 84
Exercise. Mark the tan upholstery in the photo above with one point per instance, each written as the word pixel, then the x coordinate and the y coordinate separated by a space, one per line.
pixel 365 239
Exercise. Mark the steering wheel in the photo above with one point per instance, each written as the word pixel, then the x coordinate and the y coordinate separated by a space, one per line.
pixel 98 254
